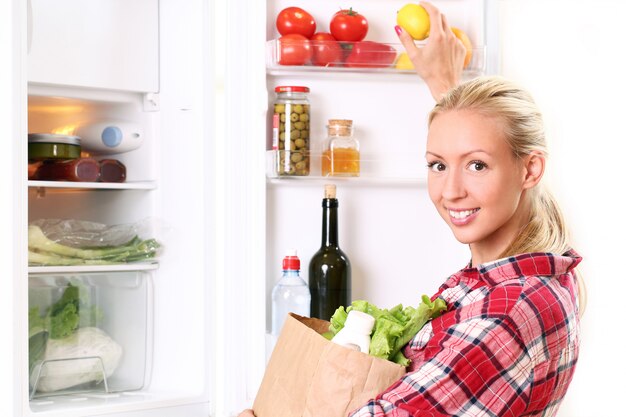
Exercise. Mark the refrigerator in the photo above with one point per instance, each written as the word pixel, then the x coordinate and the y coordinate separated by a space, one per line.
pixel 198 77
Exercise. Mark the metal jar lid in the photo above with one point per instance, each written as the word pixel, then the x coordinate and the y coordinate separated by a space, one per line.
pixel 53 138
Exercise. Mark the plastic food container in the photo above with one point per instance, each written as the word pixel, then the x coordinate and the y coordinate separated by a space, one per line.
pixel 99 337
pixel 43 146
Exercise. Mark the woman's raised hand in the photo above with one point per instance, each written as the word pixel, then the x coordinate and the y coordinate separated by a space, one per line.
pixel 247 413
pixel 440 61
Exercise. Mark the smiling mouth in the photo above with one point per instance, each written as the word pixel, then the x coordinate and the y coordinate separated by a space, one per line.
pixel 462 214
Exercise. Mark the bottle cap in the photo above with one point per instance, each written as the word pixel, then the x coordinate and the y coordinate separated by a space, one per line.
pixel 291 262
pixel 291 89
pixel 360 322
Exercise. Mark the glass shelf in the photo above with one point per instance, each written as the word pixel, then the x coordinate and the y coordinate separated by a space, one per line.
pixel 142 266
pixel 134 185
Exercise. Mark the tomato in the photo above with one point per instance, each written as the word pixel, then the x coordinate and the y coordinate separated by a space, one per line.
pixel 294 50
pixel 295 20
pixel 327 52
pixel 368 54
pixel 348 26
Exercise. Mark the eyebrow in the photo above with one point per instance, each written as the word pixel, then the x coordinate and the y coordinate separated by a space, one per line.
pixel 462 156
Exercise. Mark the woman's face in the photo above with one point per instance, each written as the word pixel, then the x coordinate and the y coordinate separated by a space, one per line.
pixel 475 181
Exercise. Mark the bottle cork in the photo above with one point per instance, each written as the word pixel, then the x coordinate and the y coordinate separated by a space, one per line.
pixel 330 191
pixel 340 127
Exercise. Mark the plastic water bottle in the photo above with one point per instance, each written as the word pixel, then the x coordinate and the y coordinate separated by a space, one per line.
pixel 291 294
pixel 356 331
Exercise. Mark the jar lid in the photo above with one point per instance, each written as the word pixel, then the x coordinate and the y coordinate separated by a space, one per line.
pixel 53 138
pixel 291 89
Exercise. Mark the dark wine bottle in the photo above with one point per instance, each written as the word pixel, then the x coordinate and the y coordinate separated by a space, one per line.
pixel 330 279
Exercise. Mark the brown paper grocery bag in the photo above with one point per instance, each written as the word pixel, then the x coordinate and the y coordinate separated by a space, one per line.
pixel 309 376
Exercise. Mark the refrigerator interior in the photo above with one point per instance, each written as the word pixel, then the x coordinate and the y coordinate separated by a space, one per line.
pixel 398 246
pixel 165 326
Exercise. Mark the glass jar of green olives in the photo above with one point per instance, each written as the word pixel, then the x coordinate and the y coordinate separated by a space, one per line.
pixel 290 131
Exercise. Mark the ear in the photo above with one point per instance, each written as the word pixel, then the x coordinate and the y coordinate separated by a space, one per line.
pixel 534 166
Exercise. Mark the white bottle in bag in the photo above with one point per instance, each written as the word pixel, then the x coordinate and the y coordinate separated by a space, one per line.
pixel 110 137
pixel 356 331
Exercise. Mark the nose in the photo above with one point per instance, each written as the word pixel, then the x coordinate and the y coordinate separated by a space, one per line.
pixel 453 187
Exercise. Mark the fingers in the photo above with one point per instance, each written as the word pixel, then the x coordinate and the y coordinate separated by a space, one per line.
pixel 407 41
pixel 444 24
pixel 436 24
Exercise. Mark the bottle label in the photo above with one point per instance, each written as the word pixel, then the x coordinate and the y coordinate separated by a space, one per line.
pixel 275 128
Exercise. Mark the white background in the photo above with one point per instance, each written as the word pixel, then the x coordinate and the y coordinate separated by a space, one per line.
pixel 571 55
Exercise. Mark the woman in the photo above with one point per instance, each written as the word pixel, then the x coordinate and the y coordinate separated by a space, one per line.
pixel 508 344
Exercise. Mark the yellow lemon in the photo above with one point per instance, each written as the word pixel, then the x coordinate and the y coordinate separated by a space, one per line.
pixel 466 42
pixel 404 62
pixel 414 19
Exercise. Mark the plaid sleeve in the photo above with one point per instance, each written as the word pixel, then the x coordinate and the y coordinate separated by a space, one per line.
pixel 481 368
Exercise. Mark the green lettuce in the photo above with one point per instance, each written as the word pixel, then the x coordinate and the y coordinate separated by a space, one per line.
pixel 393 328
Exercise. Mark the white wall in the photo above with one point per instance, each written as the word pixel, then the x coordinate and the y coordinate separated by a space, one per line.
pixel 571 55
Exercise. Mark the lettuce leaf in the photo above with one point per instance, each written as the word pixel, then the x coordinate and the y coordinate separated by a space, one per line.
pixel 393 328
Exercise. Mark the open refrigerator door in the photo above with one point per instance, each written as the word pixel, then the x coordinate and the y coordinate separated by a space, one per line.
pixel 107 317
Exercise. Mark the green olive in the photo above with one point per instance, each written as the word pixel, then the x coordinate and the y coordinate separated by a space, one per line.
pixel 300 143
pixel 281 136
pixel 298 108
pixel 294 117
pixel 283 117
pixel 296 156
pixel 299 125
pixel 279 108
pixel 292 145
pixel 295 134
pixel 281 127
pixel 304 117
pixel 304 134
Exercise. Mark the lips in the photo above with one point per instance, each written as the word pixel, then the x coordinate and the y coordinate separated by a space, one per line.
pixel 463 216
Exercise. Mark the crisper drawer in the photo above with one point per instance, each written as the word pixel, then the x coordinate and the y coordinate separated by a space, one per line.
pixel 89 332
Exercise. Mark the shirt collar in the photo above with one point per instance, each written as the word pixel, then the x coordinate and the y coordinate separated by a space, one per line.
pixel 523 265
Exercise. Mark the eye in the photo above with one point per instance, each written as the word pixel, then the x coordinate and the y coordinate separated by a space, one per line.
pixel 477 166
pixel 436 166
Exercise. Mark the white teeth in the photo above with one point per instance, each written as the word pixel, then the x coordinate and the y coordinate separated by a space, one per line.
pixel 461 214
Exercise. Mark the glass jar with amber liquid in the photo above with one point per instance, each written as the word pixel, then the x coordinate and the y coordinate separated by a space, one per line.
pixel 341 156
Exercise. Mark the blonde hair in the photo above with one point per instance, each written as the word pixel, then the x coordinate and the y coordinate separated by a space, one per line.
pixel 524 131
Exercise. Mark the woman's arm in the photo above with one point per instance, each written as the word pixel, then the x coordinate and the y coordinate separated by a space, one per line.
pixel 440 61
pixel 481 367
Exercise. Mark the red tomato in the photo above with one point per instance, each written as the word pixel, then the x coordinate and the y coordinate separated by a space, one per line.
pixel 348 26
pixel 294 50
pixel 368 54
pixel 295 20
pixel 326 50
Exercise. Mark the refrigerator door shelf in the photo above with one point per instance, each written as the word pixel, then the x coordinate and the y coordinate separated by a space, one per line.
pixel 390 167
pixel 381 58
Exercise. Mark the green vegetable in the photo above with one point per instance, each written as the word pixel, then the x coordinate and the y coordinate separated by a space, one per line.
pixel 43 251
pixel 393 328
pixel 61 320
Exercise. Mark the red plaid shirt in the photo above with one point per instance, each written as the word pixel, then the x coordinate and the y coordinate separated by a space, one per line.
pixel 507 346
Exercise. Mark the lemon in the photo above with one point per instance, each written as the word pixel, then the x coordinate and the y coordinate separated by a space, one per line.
pixel 466 42
pixel 414 19
pixel 404 62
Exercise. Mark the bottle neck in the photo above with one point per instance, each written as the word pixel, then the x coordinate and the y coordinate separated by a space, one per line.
pixel 330 234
